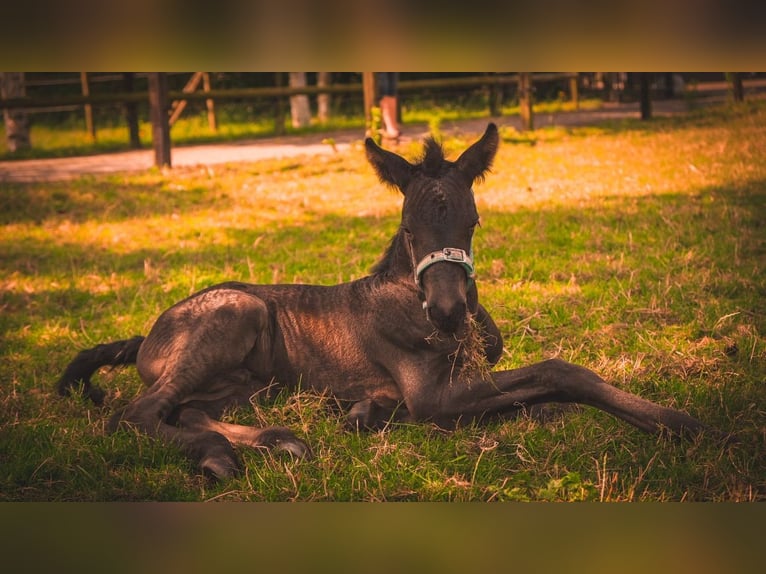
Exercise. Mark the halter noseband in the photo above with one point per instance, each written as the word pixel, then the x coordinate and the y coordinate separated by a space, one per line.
pixel 450 255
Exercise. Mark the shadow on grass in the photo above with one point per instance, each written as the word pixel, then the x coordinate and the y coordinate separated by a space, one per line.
pixel 100 199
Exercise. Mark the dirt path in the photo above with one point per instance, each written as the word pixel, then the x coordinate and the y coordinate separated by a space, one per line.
pixel 58 169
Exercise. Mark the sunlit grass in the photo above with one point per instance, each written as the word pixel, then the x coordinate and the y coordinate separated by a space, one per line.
pixel 636 249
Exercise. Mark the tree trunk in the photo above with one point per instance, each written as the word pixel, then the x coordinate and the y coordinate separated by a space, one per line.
pixel 323 100
pixel 16 120
pixel 300 112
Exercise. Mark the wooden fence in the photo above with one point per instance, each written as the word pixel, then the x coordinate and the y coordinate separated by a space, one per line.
pixel 166 105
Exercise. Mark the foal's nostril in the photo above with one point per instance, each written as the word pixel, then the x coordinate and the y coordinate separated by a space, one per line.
pixel 448 320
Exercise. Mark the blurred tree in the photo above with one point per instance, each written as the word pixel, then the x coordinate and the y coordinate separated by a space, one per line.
pixel 300 112
pixel 16 120
pixel 323 100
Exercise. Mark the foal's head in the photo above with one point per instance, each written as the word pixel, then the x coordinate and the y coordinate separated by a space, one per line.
pixel 438 219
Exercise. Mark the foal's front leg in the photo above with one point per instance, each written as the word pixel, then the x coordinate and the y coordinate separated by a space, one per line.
pixel 493 340
pixel 211 452
pixel 556 380
pixel 370 415
pixel 273 437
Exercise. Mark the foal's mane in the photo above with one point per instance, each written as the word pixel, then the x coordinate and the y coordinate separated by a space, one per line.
pixel 432 162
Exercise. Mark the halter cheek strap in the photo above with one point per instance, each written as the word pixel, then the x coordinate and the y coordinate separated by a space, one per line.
pixel 450 255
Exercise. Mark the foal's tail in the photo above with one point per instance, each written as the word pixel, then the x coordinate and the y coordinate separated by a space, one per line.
pixel 89 361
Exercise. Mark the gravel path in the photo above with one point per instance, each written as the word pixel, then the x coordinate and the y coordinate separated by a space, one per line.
pixel 58 169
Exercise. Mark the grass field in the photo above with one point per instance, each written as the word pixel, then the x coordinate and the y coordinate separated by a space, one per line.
pixel 635 249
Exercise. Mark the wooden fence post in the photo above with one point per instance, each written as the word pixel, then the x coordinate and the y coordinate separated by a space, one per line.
pixel 131 112
pixel 574 92
pixel 737 89
pixel 279 106
pixel 89 126
pixel 495 96
pixel 646 99
pixel 158 109
pixel 178 106
pixel 368 87
pixel 211 122
pixel 669 91
pixel 525 101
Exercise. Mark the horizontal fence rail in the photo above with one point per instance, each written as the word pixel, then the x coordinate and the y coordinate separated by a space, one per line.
pixel 275 91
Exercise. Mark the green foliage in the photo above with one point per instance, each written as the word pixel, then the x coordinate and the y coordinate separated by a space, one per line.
pixel 636 249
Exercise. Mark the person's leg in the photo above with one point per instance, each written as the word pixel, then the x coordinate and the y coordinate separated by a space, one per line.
pixel 388 103
pixel 388 113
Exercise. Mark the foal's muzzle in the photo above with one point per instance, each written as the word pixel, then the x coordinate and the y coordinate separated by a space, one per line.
pixel 445 290
pixel 449 320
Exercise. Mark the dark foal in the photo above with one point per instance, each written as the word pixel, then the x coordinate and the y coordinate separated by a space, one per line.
pixel 389 345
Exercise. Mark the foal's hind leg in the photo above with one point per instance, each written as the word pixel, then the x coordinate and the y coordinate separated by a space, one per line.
pixel 187 354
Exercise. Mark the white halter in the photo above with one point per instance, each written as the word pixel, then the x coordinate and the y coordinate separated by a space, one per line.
pixel 450 255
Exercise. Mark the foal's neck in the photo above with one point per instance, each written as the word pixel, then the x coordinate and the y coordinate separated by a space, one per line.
pixel 396 261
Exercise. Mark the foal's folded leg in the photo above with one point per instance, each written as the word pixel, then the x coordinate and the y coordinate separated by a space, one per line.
pixel 273 437
pixel 210 451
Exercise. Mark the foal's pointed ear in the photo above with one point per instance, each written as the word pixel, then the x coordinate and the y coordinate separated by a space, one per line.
pixel 391 168
pixel 477 159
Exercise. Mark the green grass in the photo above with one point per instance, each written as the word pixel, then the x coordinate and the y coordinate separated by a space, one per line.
pixel 636 249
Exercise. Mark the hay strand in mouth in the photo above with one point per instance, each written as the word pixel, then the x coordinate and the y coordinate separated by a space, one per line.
pixel 470 357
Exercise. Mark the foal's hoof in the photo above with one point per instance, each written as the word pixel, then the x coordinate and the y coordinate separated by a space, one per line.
pixel 220 467
pixel 215 455
pixel 295 447
pixel 282 439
